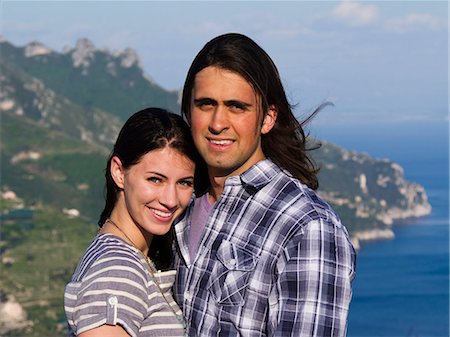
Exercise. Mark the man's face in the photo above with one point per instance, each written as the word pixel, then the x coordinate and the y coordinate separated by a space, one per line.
pixel 226 121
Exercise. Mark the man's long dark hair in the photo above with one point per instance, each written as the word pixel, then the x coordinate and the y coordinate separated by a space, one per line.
pixel 285 144
pixel 147 130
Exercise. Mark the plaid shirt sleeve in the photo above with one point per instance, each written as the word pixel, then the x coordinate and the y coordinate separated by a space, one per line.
pixel 314 286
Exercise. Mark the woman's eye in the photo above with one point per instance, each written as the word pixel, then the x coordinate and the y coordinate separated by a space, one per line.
pixel 187 183
pixel 154 179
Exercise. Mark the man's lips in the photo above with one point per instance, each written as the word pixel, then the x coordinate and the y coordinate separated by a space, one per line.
pixel 221 141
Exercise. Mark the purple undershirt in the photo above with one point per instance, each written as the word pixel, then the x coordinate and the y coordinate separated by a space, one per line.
pixel 200 214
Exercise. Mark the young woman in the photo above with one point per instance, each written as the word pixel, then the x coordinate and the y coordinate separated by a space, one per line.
pixel 118 288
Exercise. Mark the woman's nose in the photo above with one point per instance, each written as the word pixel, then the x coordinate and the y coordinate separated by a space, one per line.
pixel 169 196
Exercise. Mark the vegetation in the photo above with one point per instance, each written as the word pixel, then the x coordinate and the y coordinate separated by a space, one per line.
pixel 44 251
pixel 120 92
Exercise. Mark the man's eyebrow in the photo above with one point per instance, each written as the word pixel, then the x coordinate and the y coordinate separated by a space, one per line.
pixel 235 102
pixel 205 100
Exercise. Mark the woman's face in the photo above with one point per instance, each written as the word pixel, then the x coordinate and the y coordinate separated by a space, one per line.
pixel 157 189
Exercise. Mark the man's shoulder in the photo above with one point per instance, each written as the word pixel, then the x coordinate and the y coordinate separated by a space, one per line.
pixel 266 172
pixel 285 186
pixel 296 199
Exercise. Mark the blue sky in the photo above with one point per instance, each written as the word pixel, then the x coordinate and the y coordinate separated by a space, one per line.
pixel 382 63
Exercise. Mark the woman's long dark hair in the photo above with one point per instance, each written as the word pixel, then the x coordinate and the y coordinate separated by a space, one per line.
pixel 285 144
pixel 147 130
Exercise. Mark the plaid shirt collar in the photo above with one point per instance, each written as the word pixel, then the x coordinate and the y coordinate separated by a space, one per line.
pixel 260 174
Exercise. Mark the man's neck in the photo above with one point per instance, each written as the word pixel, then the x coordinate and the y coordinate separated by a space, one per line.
pixel 218 177
pixel 217 184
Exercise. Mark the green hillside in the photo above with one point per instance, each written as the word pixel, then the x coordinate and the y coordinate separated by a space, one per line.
pixel 42 252
pixel 105 84
pixel 67 174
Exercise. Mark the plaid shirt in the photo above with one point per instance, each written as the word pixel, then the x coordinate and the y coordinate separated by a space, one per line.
pixel 274 260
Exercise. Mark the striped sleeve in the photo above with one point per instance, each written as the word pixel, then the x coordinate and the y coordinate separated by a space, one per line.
pixel 112 291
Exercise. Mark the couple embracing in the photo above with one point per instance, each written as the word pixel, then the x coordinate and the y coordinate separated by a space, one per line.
pixel 213 227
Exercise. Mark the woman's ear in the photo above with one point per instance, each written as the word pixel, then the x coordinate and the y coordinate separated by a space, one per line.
pixel 117 171
pixel 269 119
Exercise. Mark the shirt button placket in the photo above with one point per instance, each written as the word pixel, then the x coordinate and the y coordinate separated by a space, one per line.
pixel 111 315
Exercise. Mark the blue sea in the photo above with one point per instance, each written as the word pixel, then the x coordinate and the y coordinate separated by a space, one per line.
pixel 402 285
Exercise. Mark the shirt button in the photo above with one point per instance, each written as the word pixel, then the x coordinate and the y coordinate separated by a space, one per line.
pixel 233 262
pixel 188 295
pixel 112 300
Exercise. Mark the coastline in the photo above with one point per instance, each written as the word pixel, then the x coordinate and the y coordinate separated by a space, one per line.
pixel 371 235
pixel 389 218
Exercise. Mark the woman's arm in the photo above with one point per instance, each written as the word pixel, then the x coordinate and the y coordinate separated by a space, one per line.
pixel 105 330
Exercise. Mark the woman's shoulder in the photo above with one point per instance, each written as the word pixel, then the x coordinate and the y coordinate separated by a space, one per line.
pixel 110 286
pixel 107 252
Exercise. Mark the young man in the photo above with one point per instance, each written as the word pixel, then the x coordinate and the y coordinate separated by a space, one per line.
pixel 260 254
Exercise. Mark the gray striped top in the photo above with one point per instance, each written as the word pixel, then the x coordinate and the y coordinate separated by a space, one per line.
pixel 112 285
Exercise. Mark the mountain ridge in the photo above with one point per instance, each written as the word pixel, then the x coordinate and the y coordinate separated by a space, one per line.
pixel 103 75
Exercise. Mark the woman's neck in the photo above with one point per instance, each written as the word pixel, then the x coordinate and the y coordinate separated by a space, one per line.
pixel 128 230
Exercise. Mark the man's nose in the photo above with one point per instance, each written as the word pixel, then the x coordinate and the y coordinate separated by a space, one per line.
pixel 219 120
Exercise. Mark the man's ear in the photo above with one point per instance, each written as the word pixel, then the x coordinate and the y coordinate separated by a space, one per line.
pixel 269 119
pixel 117 171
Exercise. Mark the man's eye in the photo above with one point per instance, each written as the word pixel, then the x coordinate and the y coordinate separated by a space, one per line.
pixel 204 104
pixel 237 106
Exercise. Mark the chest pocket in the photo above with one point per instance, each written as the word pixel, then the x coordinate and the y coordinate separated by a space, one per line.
pixel 231 273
